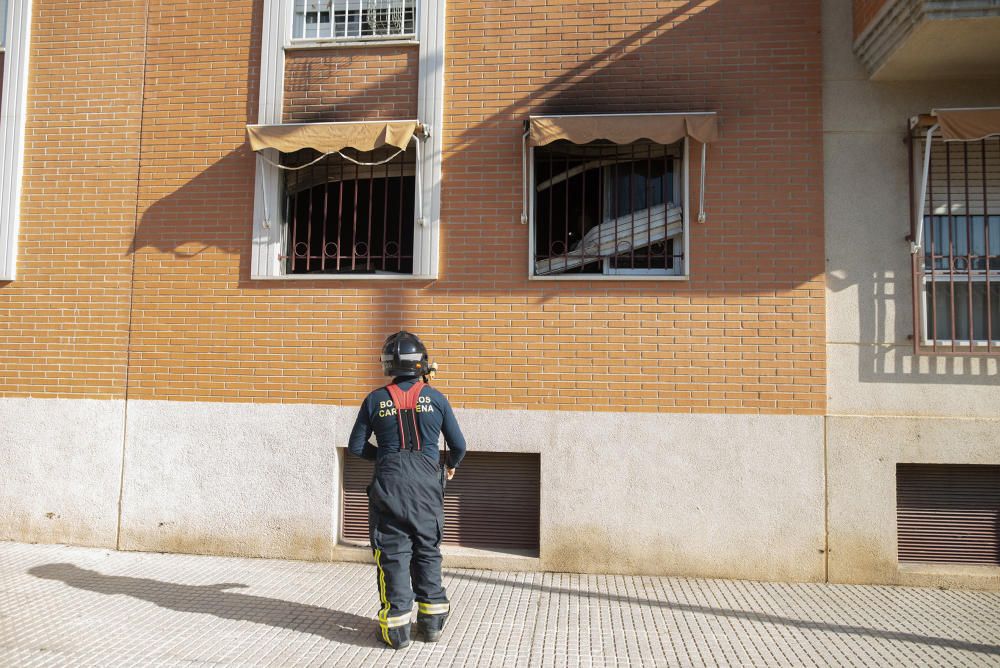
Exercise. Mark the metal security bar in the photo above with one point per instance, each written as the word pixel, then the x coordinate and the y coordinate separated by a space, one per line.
pixel 956 266
pixel 354 19
pixel 608 209
pixel 342 217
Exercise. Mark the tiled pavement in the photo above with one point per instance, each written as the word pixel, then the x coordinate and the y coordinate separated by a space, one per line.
pixel 75 606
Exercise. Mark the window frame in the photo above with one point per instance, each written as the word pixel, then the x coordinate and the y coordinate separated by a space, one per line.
pixel 921 130
pixel 265 242
pixel 617 274
pixel 3 24
pixel 293 43
pixel 13 111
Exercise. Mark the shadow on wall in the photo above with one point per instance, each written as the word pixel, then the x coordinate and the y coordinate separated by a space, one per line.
pixel 334 625
pixel 734 253
pixel 886 353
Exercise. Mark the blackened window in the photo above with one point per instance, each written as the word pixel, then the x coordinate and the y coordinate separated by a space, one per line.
pixel 605 208
pixel 350 215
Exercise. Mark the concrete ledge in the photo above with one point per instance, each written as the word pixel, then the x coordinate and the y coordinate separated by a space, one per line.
pixel 455 557
pixel 950 576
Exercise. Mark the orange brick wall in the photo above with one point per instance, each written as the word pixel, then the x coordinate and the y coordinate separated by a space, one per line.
pixel 64 321
pixel 382 81
pixel 864 12
pixel 745 334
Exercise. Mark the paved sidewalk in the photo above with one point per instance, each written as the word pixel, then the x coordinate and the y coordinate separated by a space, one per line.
pixel 76 606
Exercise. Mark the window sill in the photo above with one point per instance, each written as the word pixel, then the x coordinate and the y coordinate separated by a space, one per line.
pixel 958 576
pixel 610 277
pixel 306 45
pixel 455 557
pixel 345 277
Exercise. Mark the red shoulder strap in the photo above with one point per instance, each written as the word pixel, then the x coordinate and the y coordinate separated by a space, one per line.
pixel 405 401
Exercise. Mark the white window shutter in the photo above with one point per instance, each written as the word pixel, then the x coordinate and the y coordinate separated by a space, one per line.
pixel 13 108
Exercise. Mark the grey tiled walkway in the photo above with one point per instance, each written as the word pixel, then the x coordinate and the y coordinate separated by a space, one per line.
pixel 74 606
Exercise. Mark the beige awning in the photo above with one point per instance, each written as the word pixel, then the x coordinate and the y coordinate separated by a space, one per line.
pixel 332 137
pixel 625 128
pixel 968 124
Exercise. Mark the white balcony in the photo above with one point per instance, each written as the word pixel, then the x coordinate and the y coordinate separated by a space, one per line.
pixel 932 40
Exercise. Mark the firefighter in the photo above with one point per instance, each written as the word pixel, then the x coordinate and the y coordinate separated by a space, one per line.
pixel 406 495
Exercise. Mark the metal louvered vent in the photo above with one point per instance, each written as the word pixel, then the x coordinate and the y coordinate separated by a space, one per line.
pixel 491 503
pixel 948 513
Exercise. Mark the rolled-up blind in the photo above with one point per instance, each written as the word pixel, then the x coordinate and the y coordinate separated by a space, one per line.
pixel 492 503
pixel 948 513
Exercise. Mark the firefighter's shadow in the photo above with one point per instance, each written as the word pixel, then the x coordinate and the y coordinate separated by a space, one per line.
pixel 334 625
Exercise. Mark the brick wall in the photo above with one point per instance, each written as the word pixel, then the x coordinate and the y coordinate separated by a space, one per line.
pixel 64 321
pixel 864 12
pixel 745 334
pixel 382 81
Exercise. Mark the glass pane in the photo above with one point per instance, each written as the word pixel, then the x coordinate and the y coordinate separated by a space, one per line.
pixel 948 238
pixel 648 187
pixel 948 302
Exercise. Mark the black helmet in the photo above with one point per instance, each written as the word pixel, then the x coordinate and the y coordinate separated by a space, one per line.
pixel 404 355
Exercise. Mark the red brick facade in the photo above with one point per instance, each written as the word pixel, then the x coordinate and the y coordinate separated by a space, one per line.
pixel 141 128
pixel 382 81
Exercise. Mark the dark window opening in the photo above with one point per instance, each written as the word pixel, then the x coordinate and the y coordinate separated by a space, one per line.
pixel 344 218
pixel 608 209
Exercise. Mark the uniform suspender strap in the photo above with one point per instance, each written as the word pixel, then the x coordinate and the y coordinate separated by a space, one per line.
pixel 405 403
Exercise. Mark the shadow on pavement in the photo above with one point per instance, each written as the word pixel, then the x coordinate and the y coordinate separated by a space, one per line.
pixel 335 625
pixel 761 617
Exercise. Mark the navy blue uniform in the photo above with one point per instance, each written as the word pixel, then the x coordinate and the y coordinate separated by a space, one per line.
pixel 406 499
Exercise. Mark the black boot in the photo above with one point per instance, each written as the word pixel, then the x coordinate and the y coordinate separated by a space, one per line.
pixel 397 637
pixel 430 627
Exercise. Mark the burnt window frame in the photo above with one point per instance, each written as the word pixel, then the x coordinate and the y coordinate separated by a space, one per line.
pixel 681 272
pixel 951 269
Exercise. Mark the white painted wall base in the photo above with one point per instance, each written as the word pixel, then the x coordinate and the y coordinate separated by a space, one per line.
pixel 710 495
pixel 863 453
pixel 729 496
pixel 257 480
pixel 61 470
pixel 886 404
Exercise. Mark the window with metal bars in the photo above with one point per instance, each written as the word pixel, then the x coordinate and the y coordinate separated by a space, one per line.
pixel 956 218
pixel 608 209
pixel 354 19
pixel 342 217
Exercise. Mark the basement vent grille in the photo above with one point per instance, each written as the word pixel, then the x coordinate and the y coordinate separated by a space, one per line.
pixel 948 513
pixel 491 503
